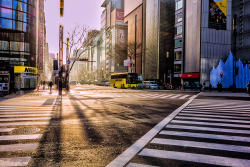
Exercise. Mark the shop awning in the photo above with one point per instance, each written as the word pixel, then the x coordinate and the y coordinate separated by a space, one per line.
pixel 190 76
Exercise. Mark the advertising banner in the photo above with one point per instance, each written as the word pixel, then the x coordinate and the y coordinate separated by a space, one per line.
pixel 25 70
pixel 119 16
pixel 218 14
pixel 60 46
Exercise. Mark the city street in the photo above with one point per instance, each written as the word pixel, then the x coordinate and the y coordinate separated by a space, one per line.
pixel 103 126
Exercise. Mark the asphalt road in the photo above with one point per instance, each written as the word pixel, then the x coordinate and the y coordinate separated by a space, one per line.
pixel 100 126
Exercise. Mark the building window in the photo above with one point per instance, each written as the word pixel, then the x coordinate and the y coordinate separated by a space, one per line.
pixel 178 55
pixel 178 17
pixel 178 30
pixel 177 68
pixel 178 43
pixel 178 5
pixel 5 23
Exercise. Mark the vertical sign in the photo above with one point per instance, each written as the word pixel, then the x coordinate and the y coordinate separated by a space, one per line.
pixel 41 35
pixel 60 46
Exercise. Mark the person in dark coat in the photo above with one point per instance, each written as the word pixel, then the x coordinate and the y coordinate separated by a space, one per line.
pixel 60 87
pixel 248 88
pixel 50 86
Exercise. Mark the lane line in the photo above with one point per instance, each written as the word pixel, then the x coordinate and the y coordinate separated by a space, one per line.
pixel 18 147
pixel 163 97
pixel 183 97
pixel 25 115
pixel 24 119
pixel 23 123
pixel 206 136
pixel 215 113
pixel 20 161
pixel 6 129
pixel 214 116
pixel 129 153
pixel 213 146
pixel 224 111
pixel 211 119
pixel 20 137
pixel 209 129
pixel 199 158
pixel 176 96
pixel 139 165
pixel 30 112
pixel 211 124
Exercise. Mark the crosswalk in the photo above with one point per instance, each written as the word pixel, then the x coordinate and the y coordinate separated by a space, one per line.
pixel 20 130
pixel 134 95
pixel 204 133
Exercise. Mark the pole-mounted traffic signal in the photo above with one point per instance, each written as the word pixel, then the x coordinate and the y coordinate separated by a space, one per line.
pixel 61 8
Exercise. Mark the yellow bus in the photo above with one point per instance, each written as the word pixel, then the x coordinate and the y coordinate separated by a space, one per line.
pixel 124 80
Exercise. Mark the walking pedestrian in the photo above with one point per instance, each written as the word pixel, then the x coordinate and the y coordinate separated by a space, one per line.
pixel 50 86
pixel 248 88
pixel 210 87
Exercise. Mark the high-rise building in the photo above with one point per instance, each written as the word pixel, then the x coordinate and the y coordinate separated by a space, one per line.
pixel 159 40
pixel 18 34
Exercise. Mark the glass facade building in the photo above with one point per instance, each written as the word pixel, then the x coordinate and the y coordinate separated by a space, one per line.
pixel 18 32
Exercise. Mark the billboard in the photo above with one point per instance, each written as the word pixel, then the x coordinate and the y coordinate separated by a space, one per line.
pixel 217 14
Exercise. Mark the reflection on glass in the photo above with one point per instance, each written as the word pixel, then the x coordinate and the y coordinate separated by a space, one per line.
pixel 178 43
pixel 6 3
pixel 4 45
pixel 6 13
pixel 5 23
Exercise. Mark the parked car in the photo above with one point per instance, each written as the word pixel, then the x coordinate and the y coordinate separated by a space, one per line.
pixel 150 85
pixel 107 83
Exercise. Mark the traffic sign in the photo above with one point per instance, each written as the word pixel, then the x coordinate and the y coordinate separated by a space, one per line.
pixel 68 61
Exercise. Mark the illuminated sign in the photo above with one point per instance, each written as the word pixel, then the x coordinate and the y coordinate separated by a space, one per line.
pixel 25 69
pixel 218 14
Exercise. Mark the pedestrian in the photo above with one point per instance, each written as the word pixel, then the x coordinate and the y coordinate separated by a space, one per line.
pixel 248 88
pixel 218 86
pixel 210 87
pixel 12 84
pixel 60 87
pixel 184 86
pixel 50 86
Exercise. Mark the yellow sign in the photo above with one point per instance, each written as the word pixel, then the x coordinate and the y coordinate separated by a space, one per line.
pixel 25 70
pixel 222 4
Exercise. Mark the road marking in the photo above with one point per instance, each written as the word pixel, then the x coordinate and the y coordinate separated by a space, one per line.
pixel 176 96
pixel 211 119
pixel 183 97
pixel 217 110
pixel 24 119
pixel 214 116
pixel 213 146
pixel 23 123
pixel 6 129
pixel 139 165
pixel 199 158
pixel 163 97
pixel 20 161
pixel 21 137
pixel 18 147
pixel 205 135
pixel 209 129
pixel 29 112
pixel 211 124
pixel 129 153
pixel 215 113
pixel 25 115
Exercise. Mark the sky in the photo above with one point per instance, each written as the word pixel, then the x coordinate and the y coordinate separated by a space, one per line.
pixel 81 12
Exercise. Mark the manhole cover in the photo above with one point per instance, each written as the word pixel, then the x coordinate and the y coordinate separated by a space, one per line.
pixel 24 131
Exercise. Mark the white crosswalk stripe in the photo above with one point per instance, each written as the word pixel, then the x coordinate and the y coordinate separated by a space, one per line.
pixel 22 118
pixel 220 131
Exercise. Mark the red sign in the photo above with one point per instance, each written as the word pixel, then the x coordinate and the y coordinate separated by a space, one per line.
pixel 119 15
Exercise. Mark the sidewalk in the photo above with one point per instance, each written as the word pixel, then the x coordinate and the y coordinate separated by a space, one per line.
pixel 224 94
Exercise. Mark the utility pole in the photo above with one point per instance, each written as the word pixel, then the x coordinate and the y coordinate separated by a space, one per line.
pixel 234 50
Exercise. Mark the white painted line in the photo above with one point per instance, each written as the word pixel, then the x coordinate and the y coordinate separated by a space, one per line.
pixel 211 124
pixel 215 113
pixel 216 110
pixel 209 129
pixel 21 137
pixel 25 115
pixel 29 112
pixel 163 97
pixel 198 158
pixel 236 107
pixel 6 129
pixel 139 165
pixel 213 146
pixel 176 96
pixel 23 123
pixel 217 120
pixel 24 119
pixel 213 116
pixel 183 97
pixel 18 147
pixel 20 161
pixel 25 107
pixel 128 154
pixel 207 136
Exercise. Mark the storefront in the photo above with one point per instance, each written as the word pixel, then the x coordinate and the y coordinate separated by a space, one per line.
pixel 191 80
pixel 25 77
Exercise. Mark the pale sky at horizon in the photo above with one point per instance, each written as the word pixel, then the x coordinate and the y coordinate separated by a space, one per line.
pixel 81 12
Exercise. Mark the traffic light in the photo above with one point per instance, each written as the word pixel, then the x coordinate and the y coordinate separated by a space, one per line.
pixel 61 8
pixel 55 65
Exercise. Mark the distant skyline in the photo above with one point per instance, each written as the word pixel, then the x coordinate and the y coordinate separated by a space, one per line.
pixel 81 12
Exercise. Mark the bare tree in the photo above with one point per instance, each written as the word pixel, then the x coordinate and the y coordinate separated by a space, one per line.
pixel 80 38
